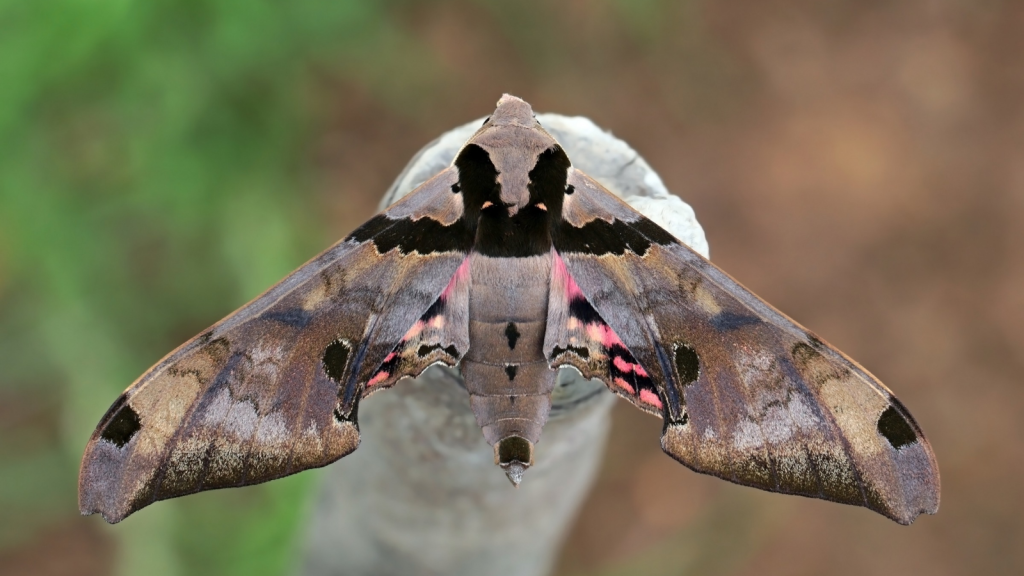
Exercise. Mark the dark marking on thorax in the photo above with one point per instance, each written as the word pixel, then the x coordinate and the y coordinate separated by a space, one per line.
pixel 527 231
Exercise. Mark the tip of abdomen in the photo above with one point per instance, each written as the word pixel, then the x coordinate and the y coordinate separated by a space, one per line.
pixel 514 471
pixel 514 454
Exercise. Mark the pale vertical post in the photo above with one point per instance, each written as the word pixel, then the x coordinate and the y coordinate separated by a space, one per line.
pixel 422 495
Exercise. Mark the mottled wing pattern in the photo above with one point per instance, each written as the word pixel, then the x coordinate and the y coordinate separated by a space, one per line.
pixel 748 394
pixel 272 389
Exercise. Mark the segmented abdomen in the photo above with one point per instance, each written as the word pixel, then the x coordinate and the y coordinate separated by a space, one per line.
pixel 505 369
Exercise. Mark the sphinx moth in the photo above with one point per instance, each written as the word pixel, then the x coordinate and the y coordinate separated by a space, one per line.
pixel 509 264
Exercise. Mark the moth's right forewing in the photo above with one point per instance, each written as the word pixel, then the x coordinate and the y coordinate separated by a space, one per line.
pixel 272 389
pixel 747 394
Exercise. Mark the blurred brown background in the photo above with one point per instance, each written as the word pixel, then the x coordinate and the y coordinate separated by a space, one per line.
pixel 860 165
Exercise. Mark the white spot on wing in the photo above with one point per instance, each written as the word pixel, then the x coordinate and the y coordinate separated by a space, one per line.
pixel 776 425
pixel 802 414
pixel 237 418
pixel 754 367
pixel 266 359
pixel 241 420
pixel 273 432
pixel 218 409
pixel 747 436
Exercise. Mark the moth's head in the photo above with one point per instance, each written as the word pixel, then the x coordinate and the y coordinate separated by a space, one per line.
pixel 509 157
pixel 513 111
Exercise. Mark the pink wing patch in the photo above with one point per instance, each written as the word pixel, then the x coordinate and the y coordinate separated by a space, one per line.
pixel 440 335
pixel 578 336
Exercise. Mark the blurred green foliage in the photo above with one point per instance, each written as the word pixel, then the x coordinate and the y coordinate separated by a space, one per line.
pixel 153 176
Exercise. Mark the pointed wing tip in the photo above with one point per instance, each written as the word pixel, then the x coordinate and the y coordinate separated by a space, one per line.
pixel 90 502
pixel 922 489
pixel 107 517
pixel 909 518
pixel 99 486
pixel 93 501
pixel 926 502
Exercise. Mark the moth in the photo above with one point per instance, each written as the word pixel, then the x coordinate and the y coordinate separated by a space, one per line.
pixel 510 264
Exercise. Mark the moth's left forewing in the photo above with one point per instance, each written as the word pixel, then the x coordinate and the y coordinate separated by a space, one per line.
pixel 749 395
pixel 273 388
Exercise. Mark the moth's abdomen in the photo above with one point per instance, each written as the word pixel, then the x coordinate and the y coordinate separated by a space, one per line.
pixel 504 407
pixel 506 373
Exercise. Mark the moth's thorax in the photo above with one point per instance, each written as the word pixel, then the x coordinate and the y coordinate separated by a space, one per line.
pixel 514 151
pixel 512 180
pixel 505 369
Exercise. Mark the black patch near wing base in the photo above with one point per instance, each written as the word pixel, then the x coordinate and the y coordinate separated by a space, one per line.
pixel 600 237
pixel 423 236
pixel 527 232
